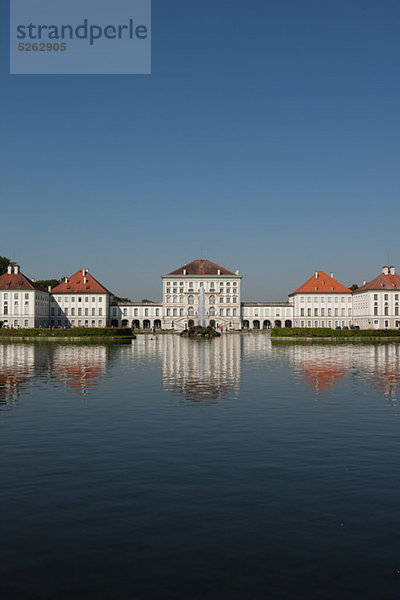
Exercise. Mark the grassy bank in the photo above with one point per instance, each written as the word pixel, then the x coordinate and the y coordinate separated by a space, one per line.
pixel 75 332
pixel 305 332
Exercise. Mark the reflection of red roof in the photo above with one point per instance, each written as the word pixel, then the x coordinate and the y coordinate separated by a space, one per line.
pixel 382 282
pixel 19 281
pixel 80 282
pixel 81 376
pixel 322 376
pixel 201 267
pixel 322 283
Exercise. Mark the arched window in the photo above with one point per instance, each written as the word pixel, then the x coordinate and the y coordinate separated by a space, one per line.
pixel 191 299
pixel 211 299
pixel 167 299
pixel 191 311
pixel 234 299
pixel 180 299
pixel 175 299
pixel 5 308
pixel 212 311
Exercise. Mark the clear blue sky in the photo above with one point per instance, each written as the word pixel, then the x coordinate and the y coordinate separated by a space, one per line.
pixel 266 139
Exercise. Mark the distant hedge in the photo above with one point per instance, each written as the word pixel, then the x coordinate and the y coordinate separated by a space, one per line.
pixel 63 333
pixel 309 332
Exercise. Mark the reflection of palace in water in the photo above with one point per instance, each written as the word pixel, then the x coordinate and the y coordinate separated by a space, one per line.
pixel 17 367
pixel 323 366
pixel 79 367
pixel 202 370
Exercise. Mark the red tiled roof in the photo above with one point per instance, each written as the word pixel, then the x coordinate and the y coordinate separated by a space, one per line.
pixel 382 282
pixel 201 267
pixel 80 283
pixel 322 283
pixel 18 281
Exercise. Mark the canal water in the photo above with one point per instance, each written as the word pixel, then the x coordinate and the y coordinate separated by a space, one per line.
pixel 167 468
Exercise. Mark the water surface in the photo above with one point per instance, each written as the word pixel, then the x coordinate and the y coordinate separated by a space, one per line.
pixel 174 468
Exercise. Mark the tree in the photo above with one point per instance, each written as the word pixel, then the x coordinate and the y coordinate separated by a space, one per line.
pixel 146 300
pixel 4 262
pixel 49 282
pixel 118 299
pixel 354 287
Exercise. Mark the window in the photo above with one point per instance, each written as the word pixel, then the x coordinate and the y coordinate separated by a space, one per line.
pixel 94 311
pixel 100 299
pixel 157 312
pixel 100 312
pixel 234 299
pixel 234 312
pixel 315 312
pixel 308 312
pixel 175 312
pixel 135 312
pixel 386 310
pixel 322 312
pixel 146 312
pixel 79 311
pixel 93 298
pixel 336 312
pixel 72 311
pixel 168 312
pixel 228 312
pixel 86 298
pixel 386 296
pixel 191 299
pixel 212 312
pixel 221 312
pixel 375 310
pixel 181 312
pixel 211 299
pixel 80 299
pixel 302 312
pixel 191 311
pixel 86 312
pixel 375 296
pixel 221 300
pixel 26 296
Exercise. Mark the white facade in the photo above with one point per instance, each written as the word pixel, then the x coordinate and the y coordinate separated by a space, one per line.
pixel 80 301
pixel 22 302
pixel 79 310
pixel 181 299
pixel 376 304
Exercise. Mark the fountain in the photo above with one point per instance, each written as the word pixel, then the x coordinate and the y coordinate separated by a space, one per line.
pixel 201 330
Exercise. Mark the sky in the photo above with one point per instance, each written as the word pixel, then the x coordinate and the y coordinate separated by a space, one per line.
pixel 265 139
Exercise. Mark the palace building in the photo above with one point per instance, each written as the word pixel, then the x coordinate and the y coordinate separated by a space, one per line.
pixel 200 292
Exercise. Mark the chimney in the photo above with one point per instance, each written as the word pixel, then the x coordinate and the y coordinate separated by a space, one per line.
pixel 9 270
pixel 316 274
pixel 392 270
pixel 364 282
pixel 219 272
pixel 184 271
pixel 237 272
pixel 66 280
pixel 83 272
pixel 332 276
pixel 16 269
pixel 385 270
pixel 49 289
pixel 84 280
